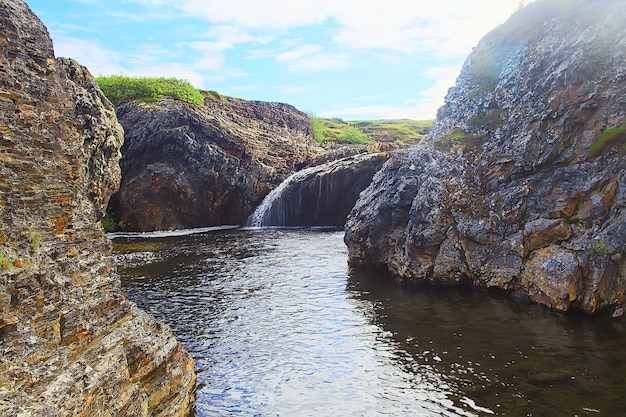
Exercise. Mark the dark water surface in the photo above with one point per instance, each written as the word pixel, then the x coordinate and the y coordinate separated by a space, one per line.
pixel 280 326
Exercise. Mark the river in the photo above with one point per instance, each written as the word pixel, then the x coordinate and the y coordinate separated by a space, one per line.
pixel 279 325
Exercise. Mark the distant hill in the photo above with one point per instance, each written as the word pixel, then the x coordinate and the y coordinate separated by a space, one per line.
pixel 401 132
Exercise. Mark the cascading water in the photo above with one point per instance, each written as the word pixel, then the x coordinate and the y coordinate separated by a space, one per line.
pixel 275 210
pixel 318 196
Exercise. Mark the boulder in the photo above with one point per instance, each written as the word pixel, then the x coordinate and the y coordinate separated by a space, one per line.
pixel 72 344
pixel 187 166
pixel 521 184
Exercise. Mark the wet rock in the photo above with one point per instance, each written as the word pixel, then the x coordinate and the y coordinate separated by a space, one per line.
pixel 552 277
pixel 69 338
pixel 512 188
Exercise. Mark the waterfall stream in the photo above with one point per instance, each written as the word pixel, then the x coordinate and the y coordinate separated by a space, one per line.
pixel 274 210
pixel 322 195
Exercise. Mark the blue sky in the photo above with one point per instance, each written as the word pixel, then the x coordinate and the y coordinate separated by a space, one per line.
pixel 354 59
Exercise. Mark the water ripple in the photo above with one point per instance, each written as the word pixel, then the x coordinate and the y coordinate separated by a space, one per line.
pixel 280 326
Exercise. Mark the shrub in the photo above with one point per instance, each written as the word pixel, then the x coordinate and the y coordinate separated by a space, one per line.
pixel 35 242
pixel 108 223
pixel 464 138
pixel 4 262
pixel 119 88
pixel 353 136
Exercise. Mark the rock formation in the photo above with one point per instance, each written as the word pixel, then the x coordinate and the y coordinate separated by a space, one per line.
pixel 188 166
pixel 71 343
pixel 322 195
pixel 522 182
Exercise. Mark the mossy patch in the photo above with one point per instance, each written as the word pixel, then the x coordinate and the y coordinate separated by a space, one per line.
pixel 108 223
pixel 461 137
pixel 615 136
pixel 492 120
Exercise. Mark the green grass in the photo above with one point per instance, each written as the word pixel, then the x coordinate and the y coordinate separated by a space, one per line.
pixel 466 139
pixel 609 137
pixel 338 131
pixel 4 261
pixel 119 88
pixel 352 135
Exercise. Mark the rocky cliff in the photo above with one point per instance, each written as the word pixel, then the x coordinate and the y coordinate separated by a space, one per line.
pixel 522 182
pixel 71 343
pixel 188 166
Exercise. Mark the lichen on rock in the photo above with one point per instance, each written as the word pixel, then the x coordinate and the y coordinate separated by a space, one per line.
pixel 72 344
pixel 505 192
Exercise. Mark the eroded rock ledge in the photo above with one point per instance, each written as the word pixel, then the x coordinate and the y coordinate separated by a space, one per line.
pixel 71 343
pixel 514 188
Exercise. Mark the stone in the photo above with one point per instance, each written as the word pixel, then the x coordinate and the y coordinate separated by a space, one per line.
pixel 69 337
pixel 508 191
pixel 187 166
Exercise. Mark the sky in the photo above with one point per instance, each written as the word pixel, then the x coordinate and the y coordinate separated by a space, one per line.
pixel 353 59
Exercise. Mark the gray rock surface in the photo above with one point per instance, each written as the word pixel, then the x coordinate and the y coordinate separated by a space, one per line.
pixel 512 189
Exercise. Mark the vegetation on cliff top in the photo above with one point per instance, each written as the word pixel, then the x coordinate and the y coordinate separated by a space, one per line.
pixel 119 88
pixel 338 131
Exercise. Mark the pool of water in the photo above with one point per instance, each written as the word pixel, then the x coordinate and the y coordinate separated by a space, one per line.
pixel 279 325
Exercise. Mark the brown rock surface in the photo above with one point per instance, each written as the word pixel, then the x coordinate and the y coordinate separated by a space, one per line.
pixel 511 189
pixel 71 343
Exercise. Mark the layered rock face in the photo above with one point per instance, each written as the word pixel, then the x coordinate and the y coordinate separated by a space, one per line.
pixel 188 166
pixel 522 183
pixel 71 343
pixel 322 195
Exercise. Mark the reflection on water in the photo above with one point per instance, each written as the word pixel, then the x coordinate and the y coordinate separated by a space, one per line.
pixel 279 326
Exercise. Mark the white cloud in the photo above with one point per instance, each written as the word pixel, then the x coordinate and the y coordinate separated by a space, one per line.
pixel 376 112
pixel 298 53
pixel 168 70
pixel 448 27
pixel 90 53
pixel 321 62
pixel 268 14
pixel 293 89
pixel 313 58
pixel 211 54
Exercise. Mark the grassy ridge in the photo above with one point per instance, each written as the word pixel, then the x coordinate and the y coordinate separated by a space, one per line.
pixel 338 131
pixel 119 88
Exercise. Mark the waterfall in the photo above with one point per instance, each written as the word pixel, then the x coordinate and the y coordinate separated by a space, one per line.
pixel 274 210
pixel 322 195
